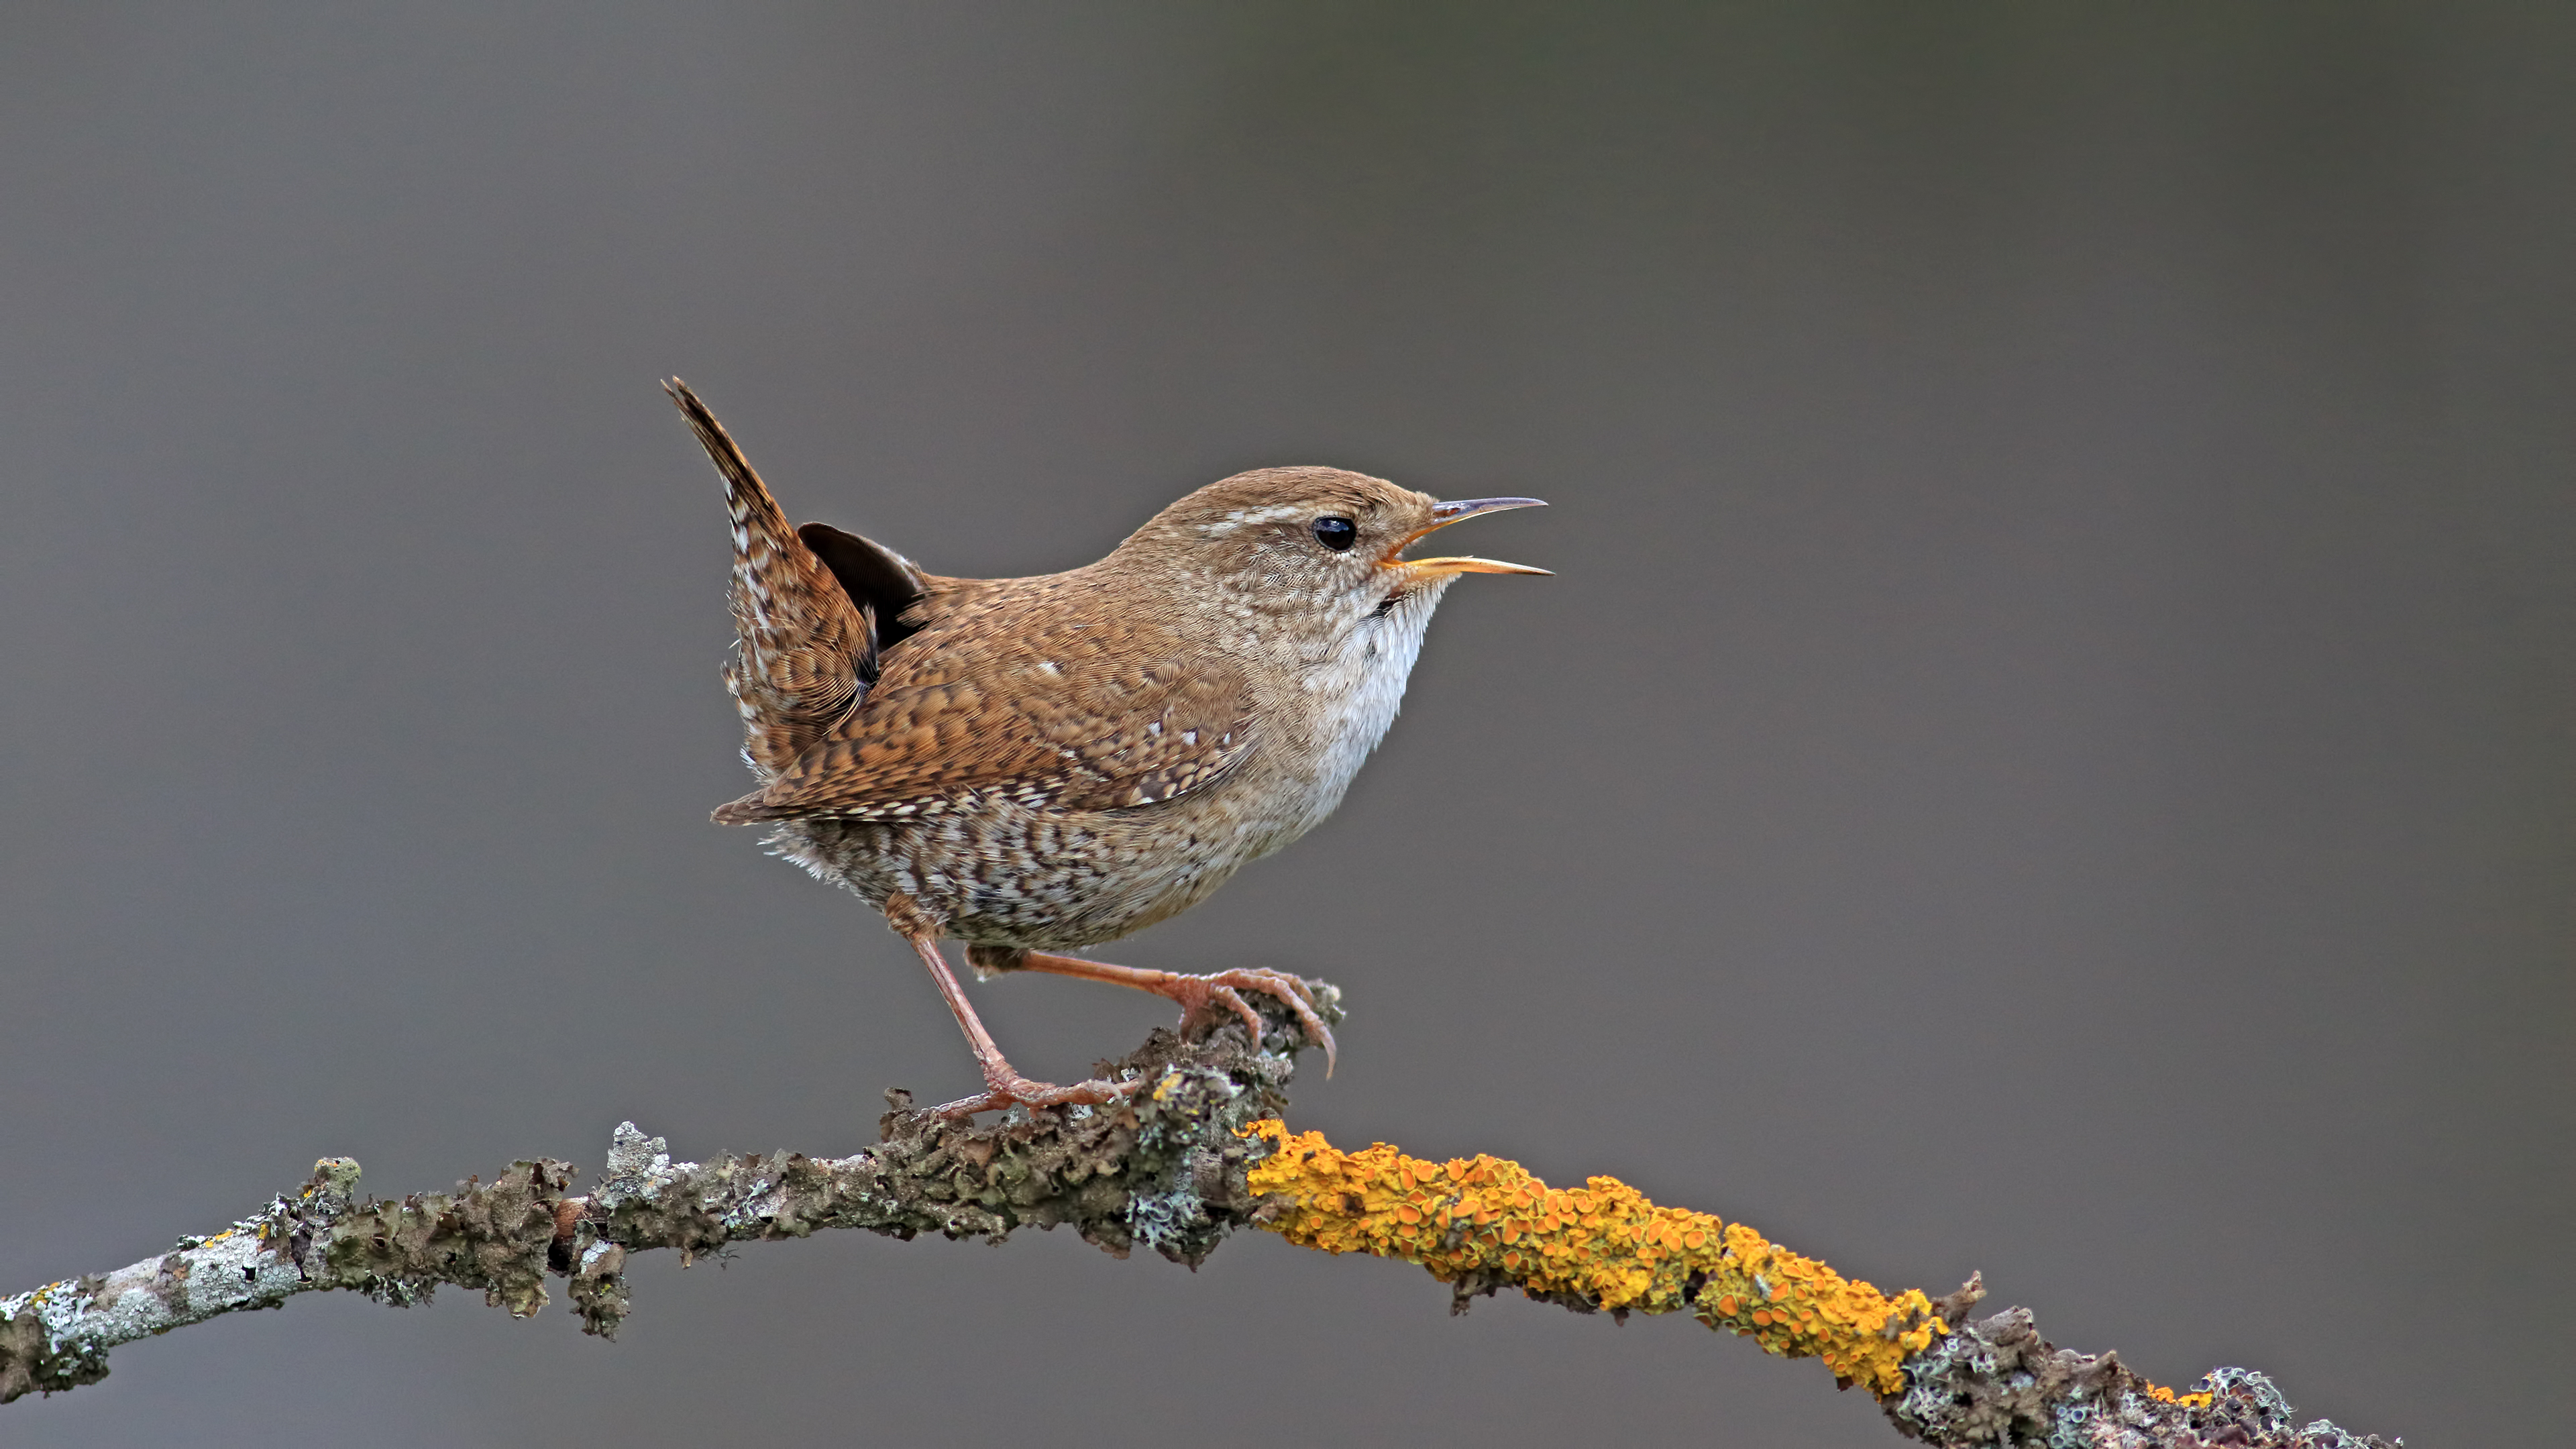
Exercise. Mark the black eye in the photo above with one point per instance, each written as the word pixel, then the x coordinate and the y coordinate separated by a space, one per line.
pixel 1336 533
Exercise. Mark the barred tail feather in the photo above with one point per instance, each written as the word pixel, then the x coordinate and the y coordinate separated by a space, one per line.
pixel 806 648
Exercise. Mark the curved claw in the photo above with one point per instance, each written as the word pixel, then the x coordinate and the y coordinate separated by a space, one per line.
pixel 1197 993
pixel 1292 992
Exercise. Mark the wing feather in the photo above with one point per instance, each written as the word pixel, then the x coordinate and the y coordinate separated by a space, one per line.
pixel 1068 718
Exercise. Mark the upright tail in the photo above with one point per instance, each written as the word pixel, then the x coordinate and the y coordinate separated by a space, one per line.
pixel 807 648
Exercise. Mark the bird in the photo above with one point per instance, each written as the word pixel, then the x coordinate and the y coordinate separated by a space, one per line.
pixel 1036 766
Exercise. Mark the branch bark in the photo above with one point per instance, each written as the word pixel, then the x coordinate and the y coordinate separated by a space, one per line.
pixel 1191 1158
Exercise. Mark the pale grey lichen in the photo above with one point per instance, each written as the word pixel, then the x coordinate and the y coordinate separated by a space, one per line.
pixel 1996 1382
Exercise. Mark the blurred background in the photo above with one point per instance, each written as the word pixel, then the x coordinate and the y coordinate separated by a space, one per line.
pixel 2049 751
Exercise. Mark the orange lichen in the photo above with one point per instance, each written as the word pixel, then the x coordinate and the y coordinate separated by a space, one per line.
pixel 1483 1221
pixel 2162 1394
pixel 1488 1220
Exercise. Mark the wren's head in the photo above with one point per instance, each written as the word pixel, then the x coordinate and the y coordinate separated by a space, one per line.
pixel 1305 567
pixel 1311 558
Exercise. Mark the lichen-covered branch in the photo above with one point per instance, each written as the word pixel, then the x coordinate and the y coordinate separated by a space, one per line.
pixel 1164 1170
pixel 1195 1154
pixel 1484 1224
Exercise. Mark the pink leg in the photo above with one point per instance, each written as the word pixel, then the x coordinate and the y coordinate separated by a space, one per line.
pixel 1199 996
pixel 1003 1085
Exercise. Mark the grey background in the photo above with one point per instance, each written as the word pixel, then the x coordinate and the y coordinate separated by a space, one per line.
pixel 2049 752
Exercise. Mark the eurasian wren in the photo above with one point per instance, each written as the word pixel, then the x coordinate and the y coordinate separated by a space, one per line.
pixel 1038 765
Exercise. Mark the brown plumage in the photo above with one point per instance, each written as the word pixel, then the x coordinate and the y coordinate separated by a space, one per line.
pixel 1038 765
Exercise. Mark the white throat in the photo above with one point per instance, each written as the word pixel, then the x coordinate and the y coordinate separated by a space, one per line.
pixel 1361 686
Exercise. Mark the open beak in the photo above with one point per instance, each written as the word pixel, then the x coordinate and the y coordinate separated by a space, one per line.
pixel 1445 514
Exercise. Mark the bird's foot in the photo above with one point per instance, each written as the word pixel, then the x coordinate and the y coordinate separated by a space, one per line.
pixel 1201 996
pixel 1007 1088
